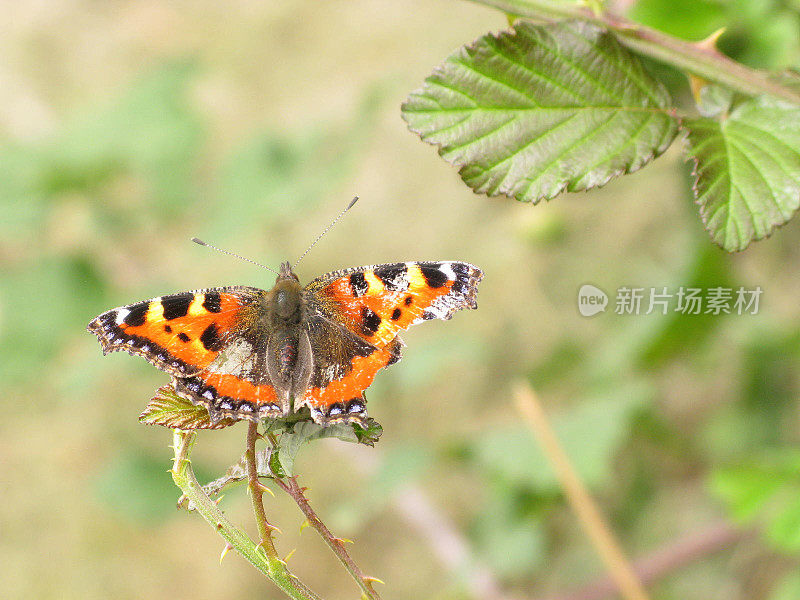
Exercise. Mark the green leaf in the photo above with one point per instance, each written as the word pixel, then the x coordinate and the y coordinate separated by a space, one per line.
pixel 170 410
pixel 747 170
pixel 544 108
pixel 290 443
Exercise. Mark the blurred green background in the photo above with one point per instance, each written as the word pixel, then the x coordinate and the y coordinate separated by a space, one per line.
pixel 128 127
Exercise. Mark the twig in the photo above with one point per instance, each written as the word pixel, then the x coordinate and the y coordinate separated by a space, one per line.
pixel 685 550
pixel 704 62
pixel 598 531
pixel 257 491
pixel 271 567
pixel 290 486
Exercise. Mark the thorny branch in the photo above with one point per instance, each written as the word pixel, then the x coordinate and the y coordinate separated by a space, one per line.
pixel 271 566
pixel 291 487
pixel 695 58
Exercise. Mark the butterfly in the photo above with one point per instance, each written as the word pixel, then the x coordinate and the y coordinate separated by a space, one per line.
pixel 247 353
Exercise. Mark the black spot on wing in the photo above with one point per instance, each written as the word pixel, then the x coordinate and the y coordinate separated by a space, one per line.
pixel 358 284
pixel 137 314
pixel 460 268
pixel 396 314
pixel 460 286
pixel 183 337
pixel 212 302
pixel 210 338
pixel 393 276
pixel 395 352
pixel 168 328
pixel 371 321
pixel 408 300
pixel 176 306
pixel 434 276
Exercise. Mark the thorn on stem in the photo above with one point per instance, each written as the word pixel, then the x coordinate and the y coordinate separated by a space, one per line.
pixel 224 552
pixel 371 580
pixel 304 524
pixel 342 541
pixel 263 488
pixel 710 43
pixel 288 556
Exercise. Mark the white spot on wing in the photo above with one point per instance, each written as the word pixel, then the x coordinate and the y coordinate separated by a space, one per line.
pixel 121 314
pixel 447 269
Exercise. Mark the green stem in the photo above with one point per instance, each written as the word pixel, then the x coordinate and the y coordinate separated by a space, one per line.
pixel 270 566
pixel 701 61
pixel 257 492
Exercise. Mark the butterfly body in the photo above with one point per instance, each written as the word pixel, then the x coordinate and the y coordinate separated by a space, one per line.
pixel 247 353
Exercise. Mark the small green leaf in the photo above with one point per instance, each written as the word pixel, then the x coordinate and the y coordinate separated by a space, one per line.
pixel 170 410
pixel 544 108
pixel 304 432
pixel 747 170
pixel 369 434
pixel 275 466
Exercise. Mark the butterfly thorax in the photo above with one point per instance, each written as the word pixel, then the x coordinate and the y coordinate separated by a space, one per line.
pixel 282 315
pixel 286 302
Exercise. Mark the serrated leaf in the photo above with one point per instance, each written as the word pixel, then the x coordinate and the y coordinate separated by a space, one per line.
pixel 370 434
pixel 747 170
pixel 170 410
pixel 541 109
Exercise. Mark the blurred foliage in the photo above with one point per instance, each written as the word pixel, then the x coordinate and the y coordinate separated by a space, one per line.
pixel 768 489
pixel 760 33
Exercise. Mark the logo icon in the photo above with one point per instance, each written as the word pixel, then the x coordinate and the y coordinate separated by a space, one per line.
pixel 591 300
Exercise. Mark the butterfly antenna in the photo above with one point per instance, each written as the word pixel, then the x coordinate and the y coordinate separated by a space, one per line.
pixel 202 243
pixel 324 231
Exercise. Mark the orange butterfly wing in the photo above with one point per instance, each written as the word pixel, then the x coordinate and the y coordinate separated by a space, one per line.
pixel 365 308
pixel 184 334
